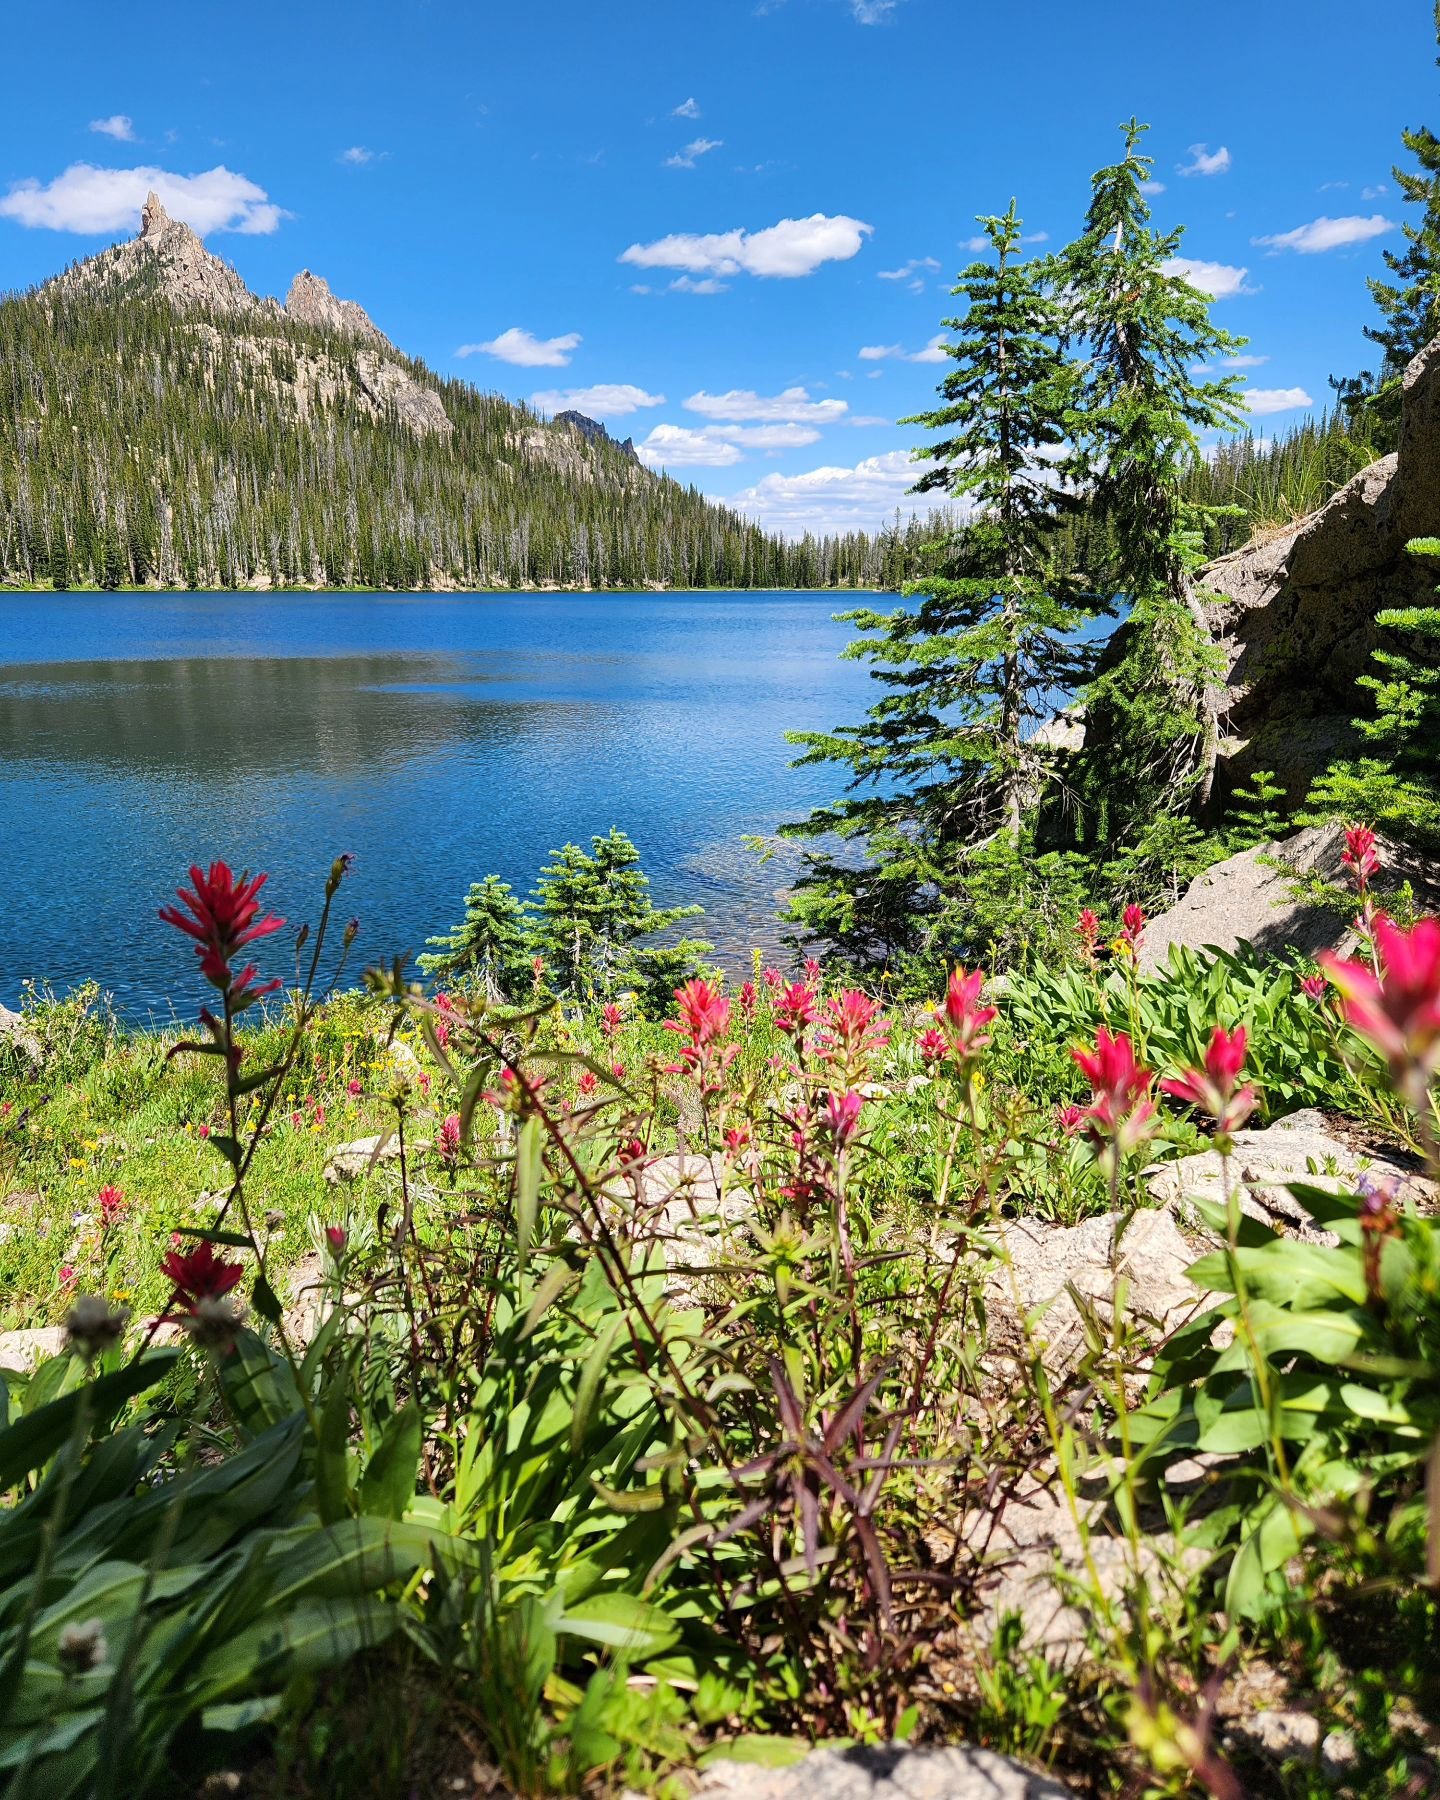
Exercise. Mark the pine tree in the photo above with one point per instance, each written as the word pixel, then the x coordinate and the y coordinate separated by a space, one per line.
pixel 1397 790
pixel 1155 714
pixel 1409 303
pixel 488 945
pixel 590 915
pixel 949 755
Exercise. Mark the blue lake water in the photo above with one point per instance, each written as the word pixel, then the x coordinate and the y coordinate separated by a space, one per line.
pixel 436 737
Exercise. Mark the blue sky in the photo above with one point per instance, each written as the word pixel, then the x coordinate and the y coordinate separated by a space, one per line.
pixel 693 218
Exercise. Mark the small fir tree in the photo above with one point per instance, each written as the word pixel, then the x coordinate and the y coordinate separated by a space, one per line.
pixel 1155 712
pixel 949 759
pixel 590 917
pixel 488 945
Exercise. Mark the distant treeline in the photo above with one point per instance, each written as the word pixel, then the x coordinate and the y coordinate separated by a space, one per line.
pixel 141 447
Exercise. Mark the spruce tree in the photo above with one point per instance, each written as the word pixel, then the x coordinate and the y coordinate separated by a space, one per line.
pixel 488 945
pixel 1398 788
pixel 1409 302
pixel 948 759
pixel 590 917
pixel 1154 715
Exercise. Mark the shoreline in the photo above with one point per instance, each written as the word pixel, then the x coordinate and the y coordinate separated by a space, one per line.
pixel 8 588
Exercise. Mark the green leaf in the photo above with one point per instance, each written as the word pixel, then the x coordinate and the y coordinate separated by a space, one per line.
pixel 332 1466
pixel 313 1635
pixel 621 1622
pixel 528 1164
pixel 764 1752
pixel 30 1442
pixel 258 1384
pixel 388 1485
pixel 588 1385
pixel 267 1301
pixel 241 1715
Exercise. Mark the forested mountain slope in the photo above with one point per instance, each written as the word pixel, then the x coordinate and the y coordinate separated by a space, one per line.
pixel 162 426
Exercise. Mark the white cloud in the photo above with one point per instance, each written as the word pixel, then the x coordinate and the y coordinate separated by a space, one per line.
pixel 1243 362
pixel 932 352
pixel 1374 193
pixel 686 284
pixel 793 247
pixel 766 437
pixel 794 406
pixel 678 447
pixel 835 499
pixel 1221 281
pixel 607 399
pixel 685 159
pixel 1205 162
pixel 87 199
pixel 870 419
pixel 1152 187
pixel 358 155
pixel 687 109
pixel 872 12
pixel 525 350
pixel 1262 401
pixel 1327 234
pixel 906 270
pixel 119 125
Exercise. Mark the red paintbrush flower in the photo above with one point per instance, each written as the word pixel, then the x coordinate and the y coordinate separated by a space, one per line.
pixel 840 1115
pixel 1212 1088
pixel 224 916
pixel 1398 1010
pixel 1121 1110
pixel 963 1014
pixel 795 1009
pixel 198 1275
pixel 704 1013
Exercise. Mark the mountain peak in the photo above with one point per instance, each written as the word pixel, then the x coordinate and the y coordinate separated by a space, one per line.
pixel 153 216
pixel 310 302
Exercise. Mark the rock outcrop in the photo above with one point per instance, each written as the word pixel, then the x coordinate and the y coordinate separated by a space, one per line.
pixel 310 302
pixel 1247 898
pixel 16 1035
pixel 166 256
pixel 884 1772
pixel 594 432
pixel 1296 614
pixel 1301 1147
pixel 1046 1265
pixel 389 387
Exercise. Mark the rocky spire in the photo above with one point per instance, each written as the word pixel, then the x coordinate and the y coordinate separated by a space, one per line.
pixel 153 216
pixel 310 302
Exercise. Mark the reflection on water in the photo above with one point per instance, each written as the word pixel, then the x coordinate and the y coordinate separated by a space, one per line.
pixel 435 737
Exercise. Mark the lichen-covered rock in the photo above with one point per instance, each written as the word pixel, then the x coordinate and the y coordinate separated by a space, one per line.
pixel 1298 1148
pixel 16 1035
pixel 21 1350
pixel 1246 899
pixel 1296 614
pixel 889 1772
pixel 347 1162
pixel 686 1207
pixel 1042 1262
